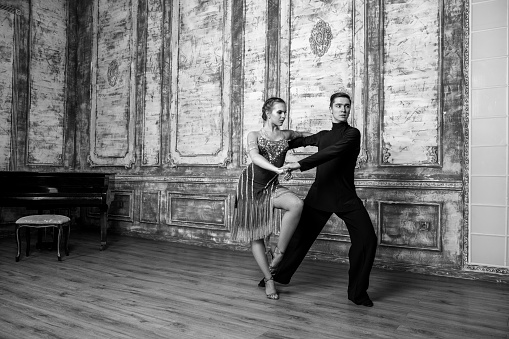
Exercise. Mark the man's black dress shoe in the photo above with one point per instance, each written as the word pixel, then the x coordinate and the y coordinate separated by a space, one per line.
pixel 366 302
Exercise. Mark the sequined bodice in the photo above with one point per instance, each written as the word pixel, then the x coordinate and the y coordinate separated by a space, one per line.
pixel 273 151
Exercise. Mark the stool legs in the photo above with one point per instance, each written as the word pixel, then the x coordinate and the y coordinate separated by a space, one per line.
pixel 18 246
pixel 60 231
pixel 27 238
pixel 38 244
pixel 66 240
pixel 65 233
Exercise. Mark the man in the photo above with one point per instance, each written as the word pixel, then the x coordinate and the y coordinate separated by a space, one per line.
pixel 333 191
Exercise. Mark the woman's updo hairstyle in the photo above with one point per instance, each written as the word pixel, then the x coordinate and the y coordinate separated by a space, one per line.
pixel 267 106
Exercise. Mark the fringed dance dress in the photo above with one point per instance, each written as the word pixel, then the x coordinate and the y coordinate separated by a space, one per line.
pixel 254 216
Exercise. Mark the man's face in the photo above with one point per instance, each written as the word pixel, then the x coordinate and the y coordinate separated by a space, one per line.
pixel 340 109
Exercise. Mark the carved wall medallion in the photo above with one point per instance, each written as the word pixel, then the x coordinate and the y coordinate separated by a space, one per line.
pixel 386 155
pixel 432 153
pixel 320 39
pixel 10 9
pixel 362 158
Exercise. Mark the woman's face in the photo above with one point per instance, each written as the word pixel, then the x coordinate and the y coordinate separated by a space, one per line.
pixel 278 114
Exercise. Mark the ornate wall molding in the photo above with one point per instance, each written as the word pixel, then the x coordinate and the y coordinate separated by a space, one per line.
pixel 152 107
pixel 173 179
pixel 411 35
pixel 198 211
pixel 122 205
pixel 360 79
pixel 414 226
pixel 466 133
pixel 254 76
pixel 466 156
pixel 322 51
pixel 8 111
pixel 12 10
pixel 410 184
pixel 47 119
pixel 359 183
pixel 200 61
pixel 487 269
pixel 113 84
pixel 150 207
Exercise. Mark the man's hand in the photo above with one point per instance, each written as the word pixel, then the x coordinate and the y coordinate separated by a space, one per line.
pixel 288 168
pixel 291 166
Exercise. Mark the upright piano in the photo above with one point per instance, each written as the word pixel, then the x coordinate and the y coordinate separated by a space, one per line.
pixel 44 190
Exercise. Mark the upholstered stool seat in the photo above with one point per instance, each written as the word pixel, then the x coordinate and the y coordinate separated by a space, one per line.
pixel 43 221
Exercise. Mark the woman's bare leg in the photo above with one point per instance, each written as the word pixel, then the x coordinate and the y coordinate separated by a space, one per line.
pixel 292 205
pixel 258 249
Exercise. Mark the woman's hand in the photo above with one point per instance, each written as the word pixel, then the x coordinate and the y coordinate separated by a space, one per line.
pixel 291 166
pixel 279 170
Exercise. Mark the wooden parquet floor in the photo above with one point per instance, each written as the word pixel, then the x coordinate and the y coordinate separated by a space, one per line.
pixel 139 288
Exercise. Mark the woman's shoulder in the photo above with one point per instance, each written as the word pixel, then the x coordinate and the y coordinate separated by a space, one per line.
pixel 253 134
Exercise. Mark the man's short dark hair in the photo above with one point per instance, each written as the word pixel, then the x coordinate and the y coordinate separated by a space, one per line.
pixel 339 95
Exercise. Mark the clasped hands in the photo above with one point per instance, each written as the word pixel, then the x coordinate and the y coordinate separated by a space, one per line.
pixel 288 168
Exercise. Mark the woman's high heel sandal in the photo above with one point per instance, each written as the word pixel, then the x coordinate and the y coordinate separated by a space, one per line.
pixel 276 259
pixel 273 296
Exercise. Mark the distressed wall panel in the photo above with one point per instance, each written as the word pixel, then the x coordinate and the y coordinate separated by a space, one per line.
pixel 317 58
pixel 46 120
pixel 151 147
pixel 410 225
pixel 197 211
pixel 335 230
pixel 122 206
pixel 112 121
pixel 6 81
pixel 410 129
pixel 255 29
pixel 358 114
pixel 201 71
pixel 150 207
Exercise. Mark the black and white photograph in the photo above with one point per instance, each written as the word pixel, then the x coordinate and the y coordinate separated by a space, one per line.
pixel 254 169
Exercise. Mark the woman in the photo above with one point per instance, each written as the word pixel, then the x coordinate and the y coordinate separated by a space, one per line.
pixel 259 191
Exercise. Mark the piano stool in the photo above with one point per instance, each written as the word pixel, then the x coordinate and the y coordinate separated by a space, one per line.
pixel 60 222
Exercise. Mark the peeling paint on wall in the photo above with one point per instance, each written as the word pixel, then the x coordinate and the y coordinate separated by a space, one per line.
pixel 201 71
pixel 254 69
pixel 320 38
pixel 411 75
pixel 153 105
pixel 47 82
pixel 6 80
pixel 113 83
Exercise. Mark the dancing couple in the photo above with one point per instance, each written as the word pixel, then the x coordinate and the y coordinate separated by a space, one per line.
pixel 259 193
